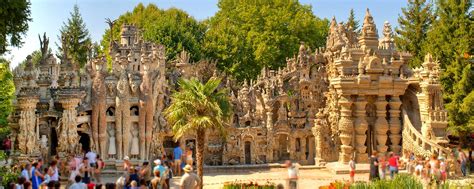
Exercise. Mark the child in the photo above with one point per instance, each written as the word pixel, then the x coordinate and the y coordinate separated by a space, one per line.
pixel 47 178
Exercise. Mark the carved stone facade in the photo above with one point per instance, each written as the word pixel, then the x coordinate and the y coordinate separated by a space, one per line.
pixel 355 96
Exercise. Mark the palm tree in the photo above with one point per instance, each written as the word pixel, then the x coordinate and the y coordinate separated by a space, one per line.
pixel 196 108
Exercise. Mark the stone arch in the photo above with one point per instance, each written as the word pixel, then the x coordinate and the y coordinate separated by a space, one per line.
pixel 110 111
pixel 134 110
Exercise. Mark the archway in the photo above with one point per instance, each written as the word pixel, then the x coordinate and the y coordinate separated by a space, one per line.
pixel 283 146
pixel 84 140
pixel 248 151
pixel 54 141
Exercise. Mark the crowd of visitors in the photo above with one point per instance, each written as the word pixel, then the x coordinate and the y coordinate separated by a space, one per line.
pixel 436 168
pixel 85 172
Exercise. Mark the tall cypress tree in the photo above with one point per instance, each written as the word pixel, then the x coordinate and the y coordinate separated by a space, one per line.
pixel 414 25
pixel 352 22
pixel 75 39
pixel 451 42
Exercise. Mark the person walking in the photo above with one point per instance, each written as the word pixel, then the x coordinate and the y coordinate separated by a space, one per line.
pixel 383 166
pixel 177 157
pixel 393 164
pixel 53 171
pixel 374 167
pixel 189 180
pixel 26 172
pixel 463 161
pixel 145 172
pixel 85 170
pixel 352 168
pixel 292 175
pixel 7 145
pixel 36 176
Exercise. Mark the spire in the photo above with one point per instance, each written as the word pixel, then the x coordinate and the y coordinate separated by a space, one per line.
pixel 368 28
pixel 333 25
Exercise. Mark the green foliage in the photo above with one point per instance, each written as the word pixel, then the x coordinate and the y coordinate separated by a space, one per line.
pixel 7 90
pixel 245 36
pixel 414 25
pixel 35 58
pixel 14 18
pixel 198 106
pixel 75 39
pixel 451 42
pixel 7 173
pixel 173 28
pixel 400 181
pixel 352 22
pixel 249 185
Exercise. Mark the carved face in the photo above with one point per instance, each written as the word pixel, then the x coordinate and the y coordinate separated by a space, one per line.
pixel 134 85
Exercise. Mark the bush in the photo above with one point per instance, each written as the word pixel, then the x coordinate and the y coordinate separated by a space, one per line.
pixel 400 181
pixel 7 173
pixel 250 185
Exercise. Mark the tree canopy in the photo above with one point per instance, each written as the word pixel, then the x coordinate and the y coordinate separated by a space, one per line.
pixel 173 28
pixel 75 39
pixel 451 41
pixel 14 18
pixel 196 108
pixel 414 25
pixel 245 36
pixel 352 22
pixel 7 90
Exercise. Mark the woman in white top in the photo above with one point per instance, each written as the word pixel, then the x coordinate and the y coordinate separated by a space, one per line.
pixel 26 172
pixel 53 171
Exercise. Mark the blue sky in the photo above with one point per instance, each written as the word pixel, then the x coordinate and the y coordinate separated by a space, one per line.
pixel 49 15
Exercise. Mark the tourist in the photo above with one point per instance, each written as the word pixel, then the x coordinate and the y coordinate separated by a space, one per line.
pixel 78 184
pixel 7 146
pixel 374 167
pixel 126 165
pixel 156 181
pixel 85 170
pixel 133 184
pixel 100 167
pixel 53 170
pixel 463 161
pixel 26 171
pixel 189 156
pixel 189 179
pixel 393 164
pixel 46 179
pixel 145 172
pixel 132 176
pixel 36 176
pixel 92 156
pixel 143 184
pixel 427 173
pixel 292 175
pixel 20 182
pixel 170 174
pixel 110 186
pixel 352 168
pixel 383 166
pixel 419 168
pixel 177 156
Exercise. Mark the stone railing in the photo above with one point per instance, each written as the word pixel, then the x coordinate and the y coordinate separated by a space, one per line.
pixel 414 142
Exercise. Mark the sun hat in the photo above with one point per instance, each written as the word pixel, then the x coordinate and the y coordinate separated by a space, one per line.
pixel 126 158
pixel 157 161
pixel 187 168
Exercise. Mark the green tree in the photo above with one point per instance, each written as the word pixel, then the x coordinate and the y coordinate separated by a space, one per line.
pixel 173 28
pixel 7 90
pixel 451 42
pixel 352 22
pixel 245 36
pixel 75 39
pixel 414 25
pixel 14 18
pixel 35 58
pixel 197 108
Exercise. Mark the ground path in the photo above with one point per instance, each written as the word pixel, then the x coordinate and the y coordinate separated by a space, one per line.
pixel 309 178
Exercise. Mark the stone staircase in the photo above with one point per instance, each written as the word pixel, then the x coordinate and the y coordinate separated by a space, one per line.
pixel 414 142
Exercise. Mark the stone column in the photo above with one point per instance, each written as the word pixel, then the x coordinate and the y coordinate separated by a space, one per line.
pixel 67 136
pixel 270 137
pixel 381 124
pixel 346 129
pixel 360 127
pixel 27 140
pixel 395 124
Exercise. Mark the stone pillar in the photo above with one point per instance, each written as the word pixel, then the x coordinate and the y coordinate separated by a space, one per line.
pixel 395 124
pixel 270 137
pixel 360 127
pixel 27 140
pixel 346 129
pixel 381 124
pixel 67 137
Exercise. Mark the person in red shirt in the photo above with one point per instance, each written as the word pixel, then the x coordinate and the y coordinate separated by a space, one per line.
pixel 7 145
pixel 393 164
